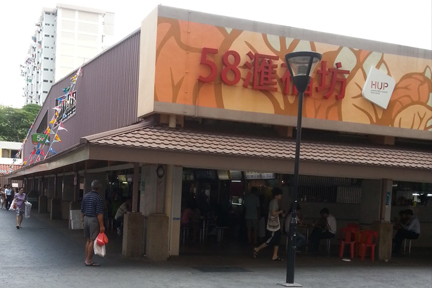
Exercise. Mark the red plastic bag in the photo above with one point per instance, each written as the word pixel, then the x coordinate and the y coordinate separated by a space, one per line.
pixel 102 239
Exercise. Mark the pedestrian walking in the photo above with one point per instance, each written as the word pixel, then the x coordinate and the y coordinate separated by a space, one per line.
pixel 252 214
pixel 273 225
pixel 20 199
pixel 92 216
pixel 9 196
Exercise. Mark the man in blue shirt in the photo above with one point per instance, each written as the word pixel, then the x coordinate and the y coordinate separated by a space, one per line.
pixel 92 216
pixel 9 196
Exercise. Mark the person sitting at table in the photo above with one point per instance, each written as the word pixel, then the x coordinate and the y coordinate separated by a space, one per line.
pixel 125 208
pixel 325 228
pixel 186 216
pixel 411 230
pixel 402 220
pixel 300 238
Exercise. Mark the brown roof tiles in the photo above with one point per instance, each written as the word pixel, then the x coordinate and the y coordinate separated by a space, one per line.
pixel 162 138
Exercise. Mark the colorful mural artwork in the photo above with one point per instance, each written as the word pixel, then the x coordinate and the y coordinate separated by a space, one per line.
pixel 217 67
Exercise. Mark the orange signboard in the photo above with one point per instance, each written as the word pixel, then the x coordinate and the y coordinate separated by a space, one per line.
pixel 236 70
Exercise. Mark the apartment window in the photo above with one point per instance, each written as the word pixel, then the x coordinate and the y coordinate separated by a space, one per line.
pixel 51 69
pixel 45 81
pixel 45 92
pixel 45 69
pixel 46 58
pixel 52 58
pixel 46 35
pixel 50 81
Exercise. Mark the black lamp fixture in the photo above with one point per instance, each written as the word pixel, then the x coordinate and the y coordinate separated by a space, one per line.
pixel 301 65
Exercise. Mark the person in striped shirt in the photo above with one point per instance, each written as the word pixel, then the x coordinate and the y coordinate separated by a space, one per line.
pixel 92 216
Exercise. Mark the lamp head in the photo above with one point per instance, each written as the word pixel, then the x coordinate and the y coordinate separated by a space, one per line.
pixel 301 64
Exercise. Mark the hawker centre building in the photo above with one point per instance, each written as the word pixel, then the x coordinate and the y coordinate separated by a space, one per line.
pixel 199 106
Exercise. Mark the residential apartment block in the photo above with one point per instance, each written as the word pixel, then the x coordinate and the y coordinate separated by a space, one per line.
pixel 65 38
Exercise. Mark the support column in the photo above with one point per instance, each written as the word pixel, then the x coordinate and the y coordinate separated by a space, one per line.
pixel 133 225
pixel 76 184
pixel 56 211
pixel 168 199
pixel 75 205
pixel 375 213
pixel 176 199
pixel 152 207
pixel 385 227
pixel 133 235
pixel 42 199
pixel 151 191
pixel 135 188
pixel 386 199
pixel 370 206
pixel 67 195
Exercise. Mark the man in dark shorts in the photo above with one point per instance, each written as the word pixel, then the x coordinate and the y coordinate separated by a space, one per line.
pixel 92 215
pixel 273 226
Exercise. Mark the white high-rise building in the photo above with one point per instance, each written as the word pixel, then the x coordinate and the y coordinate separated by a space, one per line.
pixel 64 39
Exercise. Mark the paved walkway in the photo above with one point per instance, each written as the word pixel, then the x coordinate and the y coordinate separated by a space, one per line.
pixel 46 254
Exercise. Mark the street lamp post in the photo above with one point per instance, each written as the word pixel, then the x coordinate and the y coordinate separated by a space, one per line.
pixel 301 65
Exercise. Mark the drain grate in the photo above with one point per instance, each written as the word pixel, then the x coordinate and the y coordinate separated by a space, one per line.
pixel 223 269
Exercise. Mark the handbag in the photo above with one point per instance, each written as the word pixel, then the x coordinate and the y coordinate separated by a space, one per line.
pixel 273 223
pixel 27 210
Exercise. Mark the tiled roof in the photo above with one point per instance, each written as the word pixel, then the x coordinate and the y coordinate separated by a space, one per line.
pixel 5 168
pixel 181 140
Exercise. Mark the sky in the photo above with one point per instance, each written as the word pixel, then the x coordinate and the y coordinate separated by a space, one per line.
pixel 401 22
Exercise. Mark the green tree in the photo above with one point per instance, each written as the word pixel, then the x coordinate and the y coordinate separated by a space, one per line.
pixel 15 122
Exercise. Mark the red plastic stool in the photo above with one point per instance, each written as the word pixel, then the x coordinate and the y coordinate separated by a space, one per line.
pixel 369 239
pixel 347 236
pixel 353 225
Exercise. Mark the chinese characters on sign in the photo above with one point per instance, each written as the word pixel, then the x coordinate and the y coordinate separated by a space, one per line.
pixel 262 74
pixel 67 105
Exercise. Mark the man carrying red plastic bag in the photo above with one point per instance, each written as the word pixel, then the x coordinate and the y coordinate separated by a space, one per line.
pixel 99 244
pixel 92 215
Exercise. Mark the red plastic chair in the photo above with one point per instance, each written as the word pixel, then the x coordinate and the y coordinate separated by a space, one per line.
pixel 347 236
pixel 369 239
pixel 353 225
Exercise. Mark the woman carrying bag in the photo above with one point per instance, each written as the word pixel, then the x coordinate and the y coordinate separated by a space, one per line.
pixel 273 226
pixel 20 200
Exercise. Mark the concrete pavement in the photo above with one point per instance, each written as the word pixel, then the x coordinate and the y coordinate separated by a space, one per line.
pixel 45 253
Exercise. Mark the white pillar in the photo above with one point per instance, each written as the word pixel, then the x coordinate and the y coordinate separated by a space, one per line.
pixel 387 187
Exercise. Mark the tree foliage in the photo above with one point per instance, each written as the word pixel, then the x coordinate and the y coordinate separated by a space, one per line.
pixel 15 122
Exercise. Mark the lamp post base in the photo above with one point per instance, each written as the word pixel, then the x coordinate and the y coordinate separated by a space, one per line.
pixel 290 284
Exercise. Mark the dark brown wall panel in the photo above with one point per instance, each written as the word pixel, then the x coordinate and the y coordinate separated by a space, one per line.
pixel 107 95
